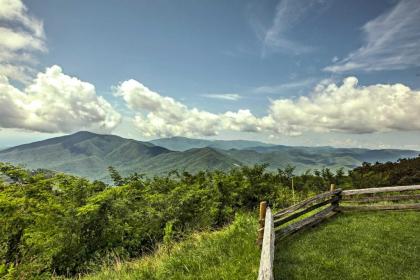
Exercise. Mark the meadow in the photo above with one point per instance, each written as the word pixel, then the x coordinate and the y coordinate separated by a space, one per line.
pixel 382 245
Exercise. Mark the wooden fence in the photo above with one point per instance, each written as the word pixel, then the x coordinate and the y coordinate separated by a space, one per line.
pixel 299 216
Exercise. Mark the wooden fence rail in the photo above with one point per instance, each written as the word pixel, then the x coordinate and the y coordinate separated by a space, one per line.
pixel 381 198
pixel 382 190
pixel 267 250
pixel 291 219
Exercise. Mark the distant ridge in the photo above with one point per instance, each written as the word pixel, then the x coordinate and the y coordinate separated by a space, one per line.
pixel 78 136
pixel 89 154
pixel 182 143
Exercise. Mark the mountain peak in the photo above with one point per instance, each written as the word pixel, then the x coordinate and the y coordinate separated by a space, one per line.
pixel 84 132
pixel 82 135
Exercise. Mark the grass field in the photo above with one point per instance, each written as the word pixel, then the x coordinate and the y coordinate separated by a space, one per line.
pixel 382 245
pixel 230 253
pixel 350 246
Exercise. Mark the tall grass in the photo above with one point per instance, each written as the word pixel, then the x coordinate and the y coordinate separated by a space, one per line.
pixel 383 245
pixel 230 253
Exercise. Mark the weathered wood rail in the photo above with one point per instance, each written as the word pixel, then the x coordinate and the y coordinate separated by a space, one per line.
pixel 267 250
pixel 299 216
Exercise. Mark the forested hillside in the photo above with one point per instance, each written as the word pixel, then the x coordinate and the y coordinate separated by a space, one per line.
pixel 88 154
pixel 59 224
pixel 183 144
pixel 402 172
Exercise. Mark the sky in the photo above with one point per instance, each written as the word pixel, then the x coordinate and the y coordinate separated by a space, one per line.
pixel 293 72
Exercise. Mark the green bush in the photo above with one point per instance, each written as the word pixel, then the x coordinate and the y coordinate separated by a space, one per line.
pixel 56 224
pixel 64 225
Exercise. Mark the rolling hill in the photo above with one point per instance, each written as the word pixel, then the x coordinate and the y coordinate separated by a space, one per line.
pixel 279 156
pixel 88 154
pixel 83 153
pixel 316 157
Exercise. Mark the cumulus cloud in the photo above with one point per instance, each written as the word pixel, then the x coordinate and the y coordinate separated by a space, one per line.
pixel 55 102
pixel 163 116
pixel 21 36
pixel 392 42
pixel 349 108
pixel 346 108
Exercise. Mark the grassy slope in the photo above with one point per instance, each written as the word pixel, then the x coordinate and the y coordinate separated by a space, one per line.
pixel 349 246
pixel 230 253
pixel 354 246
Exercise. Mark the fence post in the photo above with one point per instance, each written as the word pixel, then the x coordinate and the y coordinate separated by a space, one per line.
pixel 263 209
pixel 265 272
pixel 338 196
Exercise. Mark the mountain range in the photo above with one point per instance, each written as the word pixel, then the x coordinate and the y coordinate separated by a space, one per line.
pixel 88 154
pixel 183 144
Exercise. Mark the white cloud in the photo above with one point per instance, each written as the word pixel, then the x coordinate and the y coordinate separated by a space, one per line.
pixel 349 108
pixel 345 108
pixel 55 102
pixel 288 13
pixel 15 40
pixel 163 116
pixel 278 36
pixel 23 36
pixel 224 96
pixel 15 10
pixel 283 88
pixel 17 72
pixel 392 42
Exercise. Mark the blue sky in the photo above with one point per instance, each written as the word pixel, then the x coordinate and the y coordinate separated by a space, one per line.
pixel 243 66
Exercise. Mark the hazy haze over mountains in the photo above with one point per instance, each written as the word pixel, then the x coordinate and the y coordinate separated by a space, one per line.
pixel 184 143
pixel 88 154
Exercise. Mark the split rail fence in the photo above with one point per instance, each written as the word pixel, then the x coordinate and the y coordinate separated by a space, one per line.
pixel 293 219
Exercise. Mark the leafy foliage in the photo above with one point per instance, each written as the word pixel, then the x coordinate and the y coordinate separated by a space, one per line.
pixel 58 224
pixel 226 254
pixel 55 223
pixel 402 172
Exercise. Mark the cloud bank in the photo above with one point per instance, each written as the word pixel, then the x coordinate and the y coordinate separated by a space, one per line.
pixel 392 42
pixel 20 37
pixel 162 116
pixel 348 108
pixel 55 102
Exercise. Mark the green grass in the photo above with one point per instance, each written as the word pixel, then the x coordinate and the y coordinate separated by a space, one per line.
pixel 230 253
pixel 349 246
pixel 384 245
